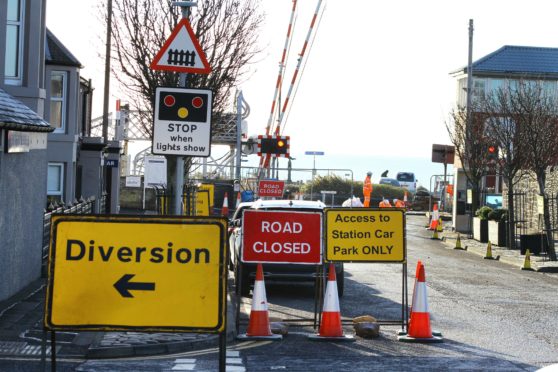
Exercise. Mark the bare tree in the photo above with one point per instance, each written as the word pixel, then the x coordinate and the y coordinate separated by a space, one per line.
pixel 537 115
pixel 226 29
pixel 470 144
pixel 502 131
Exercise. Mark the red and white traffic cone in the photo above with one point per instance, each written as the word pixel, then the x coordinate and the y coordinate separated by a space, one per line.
pixel 434 217
pixel 238 200
pixel 419 324
pixel 225 209
pixel 259 327
pixel 331 328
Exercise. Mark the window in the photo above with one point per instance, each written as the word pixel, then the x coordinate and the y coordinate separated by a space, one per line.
pixel 58 101
pixel 55 181
pixel 479 88
pixel 14 42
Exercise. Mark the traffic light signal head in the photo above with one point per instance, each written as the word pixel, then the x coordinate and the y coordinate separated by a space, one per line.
pixel 274 145
pixel 492 153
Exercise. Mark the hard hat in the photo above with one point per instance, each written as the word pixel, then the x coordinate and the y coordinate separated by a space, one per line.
pixel 368 173
pixel 394 201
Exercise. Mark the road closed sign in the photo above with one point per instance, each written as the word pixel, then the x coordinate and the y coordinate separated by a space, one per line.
pixel 365 235
pixel 143 273
pixel 282 237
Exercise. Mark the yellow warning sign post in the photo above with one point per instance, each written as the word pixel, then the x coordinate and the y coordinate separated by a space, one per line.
pixel 144 273
pixel 365 235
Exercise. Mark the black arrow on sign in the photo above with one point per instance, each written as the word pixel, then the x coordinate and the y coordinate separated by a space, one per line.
pixel 124 286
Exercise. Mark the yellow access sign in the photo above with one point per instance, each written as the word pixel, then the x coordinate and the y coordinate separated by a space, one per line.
pixel 365 235
pixel 140 273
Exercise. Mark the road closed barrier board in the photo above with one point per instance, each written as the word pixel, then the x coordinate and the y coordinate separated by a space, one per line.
pixel 144 273
pixel 365 235
pixel 282 237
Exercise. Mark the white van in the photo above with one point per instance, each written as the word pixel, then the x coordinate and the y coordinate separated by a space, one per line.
pixel 407 180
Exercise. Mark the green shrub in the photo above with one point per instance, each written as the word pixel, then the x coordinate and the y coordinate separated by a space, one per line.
pixel 483 212
pixel 498 215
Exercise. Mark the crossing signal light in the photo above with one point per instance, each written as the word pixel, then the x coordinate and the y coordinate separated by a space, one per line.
pixel 492 153
pixel 274 145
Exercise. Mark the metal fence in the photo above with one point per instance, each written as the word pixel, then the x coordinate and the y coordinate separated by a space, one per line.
pixel 78 207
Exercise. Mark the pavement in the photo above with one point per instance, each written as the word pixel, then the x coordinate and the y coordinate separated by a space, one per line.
pixel 512 257
pixel 22 334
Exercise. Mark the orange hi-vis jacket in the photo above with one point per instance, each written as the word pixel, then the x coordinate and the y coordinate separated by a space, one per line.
pixel 399 204
pixel 367 190
pixel 385 204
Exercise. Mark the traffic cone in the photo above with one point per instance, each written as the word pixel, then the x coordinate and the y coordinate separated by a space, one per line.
pixel 527 262
pixel 405 198
pixel 330 325
pixel 238 200
pixel 439 226
pixel 419 324
pixel 434 217
pixel 435 235
pixel 488 255
pixel 225 209
pixel 458 243
pixel 259 327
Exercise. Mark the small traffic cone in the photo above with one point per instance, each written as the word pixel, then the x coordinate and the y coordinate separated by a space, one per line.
pixel 439 226
pixel 225 209
pixel 238 200
pixel 434 217
pixel 259 327
pixel 330 325
pixel 527 262
pixel 488 255
pixel 419 324
pixel 435 235
pixel 458 243
pixel 405 198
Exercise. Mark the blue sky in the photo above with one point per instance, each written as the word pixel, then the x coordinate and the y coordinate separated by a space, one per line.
pixel 375 90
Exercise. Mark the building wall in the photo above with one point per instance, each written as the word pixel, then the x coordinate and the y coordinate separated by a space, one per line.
pixel 22 197
pixel 23 176
pixel 528 185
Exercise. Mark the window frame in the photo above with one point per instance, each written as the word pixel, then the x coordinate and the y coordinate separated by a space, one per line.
pixel 58 193
pixel 62 99
pixel 20 25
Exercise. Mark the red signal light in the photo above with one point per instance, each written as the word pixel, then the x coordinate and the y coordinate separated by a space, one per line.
pixel 491 149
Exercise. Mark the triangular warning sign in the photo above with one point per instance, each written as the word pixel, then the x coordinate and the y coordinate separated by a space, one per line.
pixel 182 52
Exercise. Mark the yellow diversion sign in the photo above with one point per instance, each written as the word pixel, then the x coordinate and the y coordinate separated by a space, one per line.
pixel 137 273
pixel 365 235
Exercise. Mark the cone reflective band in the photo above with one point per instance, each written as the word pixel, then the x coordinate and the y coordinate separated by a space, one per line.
pixel 183 106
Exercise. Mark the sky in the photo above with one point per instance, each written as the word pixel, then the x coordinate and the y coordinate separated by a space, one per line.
pixel 375 90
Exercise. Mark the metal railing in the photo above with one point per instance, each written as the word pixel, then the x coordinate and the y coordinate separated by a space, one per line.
pixel 78 207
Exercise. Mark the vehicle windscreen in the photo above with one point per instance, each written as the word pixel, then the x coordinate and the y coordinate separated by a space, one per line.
pixel 405 177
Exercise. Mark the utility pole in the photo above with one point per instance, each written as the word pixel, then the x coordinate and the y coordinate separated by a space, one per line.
pixel 179 179
pixel 107 72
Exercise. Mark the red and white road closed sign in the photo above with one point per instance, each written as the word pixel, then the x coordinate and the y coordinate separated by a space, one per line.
pixel 271 188
pixel 282 237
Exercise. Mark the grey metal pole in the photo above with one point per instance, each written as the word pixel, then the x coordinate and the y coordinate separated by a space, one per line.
pixel 469 129
pixel 107 72
pixel 179 179
pixel 238 134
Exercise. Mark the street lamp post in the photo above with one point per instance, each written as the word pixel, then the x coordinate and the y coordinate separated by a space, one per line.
pixel 314 153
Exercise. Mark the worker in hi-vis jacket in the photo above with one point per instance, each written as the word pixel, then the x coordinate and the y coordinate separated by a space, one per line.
pixel 367 189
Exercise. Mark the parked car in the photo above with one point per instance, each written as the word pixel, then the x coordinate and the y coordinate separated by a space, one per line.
pixel 275 272
pixel 407 180
pixel 389 181
pixel 422 200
